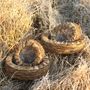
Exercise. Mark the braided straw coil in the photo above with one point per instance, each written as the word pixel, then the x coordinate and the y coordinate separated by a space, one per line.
pixel 25 72
pixel 30 71
pixel 72 42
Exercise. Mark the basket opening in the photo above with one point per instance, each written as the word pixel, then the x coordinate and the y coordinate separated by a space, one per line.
pixel 60 38
pixel 64 33
pixel 27 55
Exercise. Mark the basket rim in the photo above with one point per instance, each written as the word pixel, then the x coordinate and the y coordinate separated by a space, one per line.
pixel 47 40
pixel 61 47
pixel 25 72
pixel 26 68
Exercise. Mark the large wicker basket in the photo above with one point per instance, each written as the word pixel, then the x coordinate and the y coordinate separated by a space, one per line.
pixel 38 68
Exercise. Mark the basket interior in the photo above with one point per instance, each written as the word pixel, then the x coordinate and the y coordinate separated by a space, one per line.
pixel 26 55
pixel 63 33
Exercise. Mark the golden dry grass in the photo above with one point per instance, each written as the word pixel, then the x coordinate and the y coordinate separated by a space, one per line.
pixel 14 21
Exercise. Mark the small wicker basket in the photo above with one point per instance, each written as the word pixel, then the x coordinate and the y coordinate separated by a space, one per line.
pixel 76 44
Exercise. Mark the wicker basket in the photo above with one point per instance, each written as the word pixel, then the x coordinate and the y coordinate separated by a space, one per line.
pixel 25 72
pixel 76 44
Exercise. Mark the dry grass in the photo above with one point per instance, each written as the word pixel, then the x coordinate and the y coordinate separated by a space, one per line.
pixel 66 73
pixel 14 21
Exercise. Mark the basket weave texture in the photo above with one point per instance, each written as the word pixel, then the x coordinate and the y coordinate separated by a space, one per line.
pixel 28 72
pixel 76 44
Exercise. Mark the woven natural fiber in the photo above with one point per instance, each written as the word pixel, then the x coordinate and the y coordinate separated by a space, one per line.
pixel 25 72
pixel 22 71
pixel 75 41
